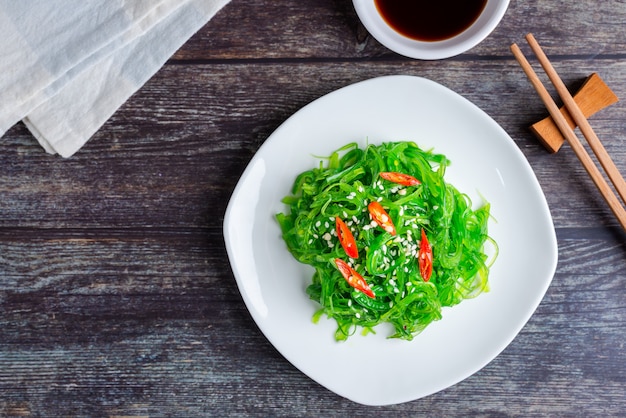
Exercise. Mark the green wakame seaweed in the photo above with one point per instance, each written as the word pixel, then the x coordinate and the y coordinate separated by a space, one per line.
pixel 343 187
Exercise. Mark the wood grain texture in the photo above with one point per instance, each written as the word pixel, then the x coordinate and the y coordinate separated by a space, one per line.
pixel 116 296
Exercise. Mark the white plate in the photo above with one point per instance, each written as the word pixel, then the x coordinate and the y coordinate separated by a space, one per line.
pixel 374 370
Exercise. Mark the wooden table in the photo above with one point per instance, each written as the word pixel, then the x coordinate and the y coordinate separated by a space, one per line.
pixel 116 295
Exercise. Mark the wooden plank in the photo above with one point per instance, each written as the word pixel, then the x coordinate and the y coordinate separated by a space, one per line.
pixel 325 29
pixel 196 142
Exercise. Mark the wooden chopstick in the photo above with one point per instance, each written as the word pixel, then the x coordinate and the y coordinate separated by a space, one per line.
pixel 568 133
pixel 580 119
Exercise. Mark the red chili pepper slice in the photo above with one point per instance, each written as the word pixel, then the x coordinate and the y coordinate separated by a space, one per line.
pixel 425 258
pixel 346 238
pixel 400 178
pixel 381 217
pixel 353 278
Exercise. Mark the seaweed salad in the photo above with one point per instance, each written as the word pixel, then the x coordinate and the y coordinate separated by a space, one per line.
pixel 390 240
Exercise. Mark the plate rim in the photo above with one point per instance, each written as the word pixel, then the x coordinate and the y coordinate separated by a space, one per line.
pixel 268 143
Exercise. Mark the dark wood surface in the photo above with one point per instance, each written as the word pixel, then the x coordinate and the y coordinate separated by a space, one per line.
pixel 116 296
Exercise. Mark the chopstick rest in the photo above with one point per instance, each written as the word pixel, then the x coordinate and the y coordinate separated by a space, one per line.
pixel 592 140
pixel 593 96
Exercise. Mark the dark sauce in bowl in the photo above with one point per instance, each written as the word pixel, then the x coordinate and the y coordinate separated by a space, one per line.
pixel 430 20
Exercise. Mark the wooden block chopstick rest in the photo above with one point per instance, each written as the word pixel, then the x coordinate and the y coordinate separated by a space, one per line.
pixel 592 96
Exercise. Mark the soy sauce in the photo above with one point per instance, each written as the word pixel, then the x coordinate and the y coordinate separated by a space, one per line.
pixel 430 20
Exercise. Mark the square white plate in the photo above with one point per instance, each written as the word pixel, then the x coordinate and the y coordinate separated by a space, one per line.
pixel 486 163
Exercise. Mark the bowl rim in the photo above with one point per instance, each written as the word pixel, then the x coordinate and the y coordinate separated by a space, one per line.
pixel 481 28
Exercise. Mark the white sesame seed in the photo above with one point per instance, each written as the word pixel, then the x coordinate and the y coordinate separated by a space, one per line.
pixel 358 315
pixel 327 236
pixel 326 224
pixel 316 236
pixel 345 214
pixel 318 223
pixel 402 192
pixel 349 302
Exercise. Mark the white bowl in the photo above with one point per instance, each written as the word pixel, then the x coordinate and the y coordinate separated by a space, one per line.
pixel 472 36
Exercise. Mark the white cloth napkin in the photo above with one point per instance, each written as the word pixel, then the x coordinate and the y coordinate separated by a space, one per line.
pixel 67 65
